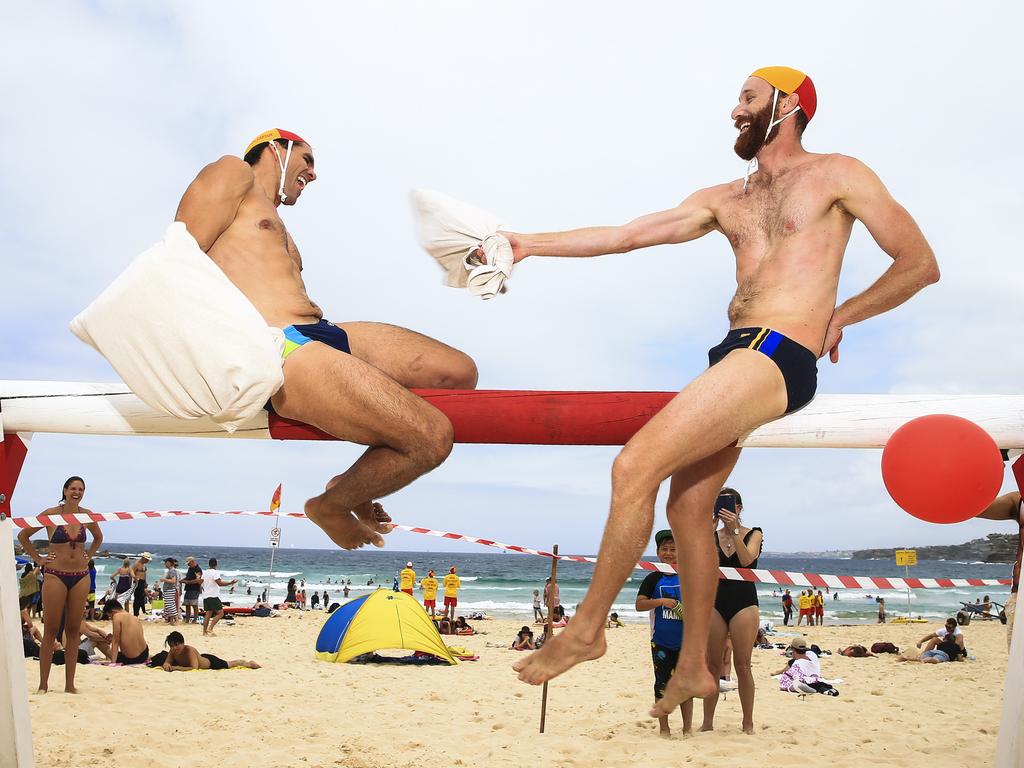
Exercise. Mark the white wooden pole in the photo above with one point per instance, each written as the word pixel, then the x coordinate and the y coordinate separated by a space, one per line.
pixel 1010 744
pixel 15 727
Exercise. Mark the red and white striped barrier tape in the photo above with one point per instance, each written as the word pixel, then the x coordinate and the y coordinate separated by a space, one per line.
pixel 756 575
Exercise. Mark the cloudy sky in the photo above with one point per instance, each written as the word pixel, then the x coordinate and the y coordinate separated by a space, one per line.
pixel 553 115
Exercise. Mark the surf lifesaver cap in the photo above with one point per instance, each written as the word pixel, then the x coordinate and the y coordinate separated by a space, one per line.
pixel 272 135
pixel 789 80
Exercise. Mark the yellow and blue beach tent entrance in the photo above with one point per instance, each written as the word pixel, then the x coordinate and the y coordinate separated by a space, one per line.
pixel 382 619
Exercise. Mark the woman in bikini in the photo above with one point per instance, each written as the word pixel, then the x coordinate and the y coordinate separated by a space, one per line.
pixel 65 580
pixel 736 613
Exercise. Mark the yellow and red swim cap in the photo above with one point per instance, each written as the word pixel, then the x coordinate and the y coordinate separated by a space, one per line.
pixel 789 80
pixel 276 133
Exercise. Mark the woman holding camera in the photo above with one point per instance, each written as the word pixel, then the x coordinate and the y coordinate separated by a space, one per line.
pixel 736 613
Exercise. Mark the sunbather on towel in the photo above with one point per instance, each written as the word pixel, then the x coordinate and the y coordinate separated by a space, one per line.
pixel 803 672
pixel 185 658
pixel 855 651
pixel 351 380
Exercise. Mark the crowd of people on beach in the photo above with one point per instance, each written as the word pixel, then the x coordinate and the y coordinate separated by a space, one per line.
pixel 59 584
pixel 736 628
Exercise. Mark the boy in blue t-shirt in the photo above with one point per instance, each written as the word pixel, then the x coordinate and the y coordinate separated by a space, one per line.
pixel 660 594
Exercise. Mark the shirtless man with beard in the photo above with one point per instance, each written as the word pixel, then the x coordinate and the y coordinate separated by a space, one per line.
pixel 788 223
pixel 351 380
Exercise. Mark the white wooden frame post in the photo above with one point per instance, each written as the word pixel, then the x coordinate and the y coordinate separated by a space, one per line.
pixel 1010 744
pixel 15 726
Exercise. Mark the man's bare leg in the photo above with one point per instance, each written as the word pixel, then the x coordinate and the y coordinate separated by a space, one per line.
pixel 744 390
pixel 413 360
pixel 690 515
pixel 355 401
pixel 716 646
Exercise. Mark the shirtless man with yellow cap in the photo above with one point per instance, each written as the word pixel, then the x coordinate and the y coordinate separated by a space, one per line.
pixel 351 380
pixel 788 222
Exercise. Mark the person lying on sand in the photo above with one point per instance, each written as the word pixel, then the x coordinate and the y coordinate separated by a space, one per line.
pixel 855 651
pixel 185 658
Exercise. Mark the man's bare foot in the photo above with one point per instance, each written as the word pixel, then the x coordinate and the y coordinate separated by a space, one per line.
pixel 41 691
pixel 707 727
pixel 748 727
pixel 665 733
pixel 70 689
pixel 341 525
pixel 682 687
pixel 372 515
pixel 559 654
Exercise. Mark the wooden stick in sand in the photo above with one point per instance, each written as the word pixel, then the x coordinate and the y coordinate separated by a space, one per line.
pixel 549 629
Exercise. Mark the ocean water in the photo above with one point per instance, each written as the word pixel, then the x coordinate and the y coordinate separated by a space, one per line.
pixel 502 585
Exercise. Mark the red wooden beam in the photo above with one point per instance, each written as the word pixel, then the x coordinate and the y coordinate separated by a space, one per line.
pixel 524 418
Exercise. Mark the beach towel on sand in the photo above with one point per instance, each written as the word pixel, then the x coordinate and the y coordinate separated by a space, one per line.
pixel 183 337
pixel 451 231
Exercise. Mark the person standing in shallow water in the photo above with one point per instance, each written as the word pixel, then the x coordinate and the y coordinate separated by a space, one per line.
pixel 788 222
pixel 65 580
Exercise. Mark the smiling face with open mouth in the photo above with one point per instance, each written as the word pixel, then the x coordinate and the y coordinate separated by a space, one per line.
pixel 752 116
pixel 300 172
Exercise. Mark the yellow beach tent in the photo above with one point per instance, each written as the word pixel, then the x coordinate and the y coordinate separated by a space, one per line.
pixel 379 620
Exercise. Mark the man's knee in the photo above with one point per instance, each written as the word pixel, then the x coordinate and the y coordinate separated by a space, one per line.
pixel 435 441
pixel 464 373
pixel 454 370
pixel 631 476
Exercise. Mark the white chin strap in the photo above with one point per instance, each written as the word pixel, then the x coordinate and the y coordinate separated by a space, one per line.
pixel 752 162
pixel 287 156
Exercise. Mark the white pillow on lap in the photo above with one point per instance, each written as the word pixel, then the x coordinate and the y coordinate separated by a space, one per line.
pixel 183 337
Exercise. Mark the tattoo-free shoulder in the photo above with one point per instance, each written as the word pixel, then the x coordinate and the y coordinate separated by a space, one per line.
pixel 232 167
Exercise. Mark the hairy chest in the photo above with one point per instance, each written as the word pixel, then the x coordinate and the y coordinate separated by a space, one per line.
pixel 773 210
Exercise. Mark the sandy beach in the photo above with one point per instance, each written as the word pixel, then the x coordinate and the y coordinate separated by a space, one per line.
pixel 299 711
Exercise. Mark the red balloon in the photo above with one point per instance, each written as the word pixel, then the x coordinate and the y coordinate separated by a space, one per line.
pixel 942 468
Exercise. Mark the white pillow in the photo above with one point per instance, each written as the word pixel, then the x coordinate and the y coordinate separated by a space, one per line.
pixel 183 337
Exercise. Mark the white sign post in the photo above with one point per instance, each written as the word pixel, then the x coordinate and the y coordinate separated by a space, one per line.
pixel 15 728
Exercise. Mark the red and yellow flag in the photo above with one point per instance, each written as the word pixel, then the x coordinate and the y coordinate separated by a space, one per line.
pixel 275 501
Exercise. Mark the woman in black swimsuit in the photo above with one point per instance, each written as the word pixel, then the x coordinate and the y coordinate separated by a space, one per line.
pixel 736 614
pixel 66 579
